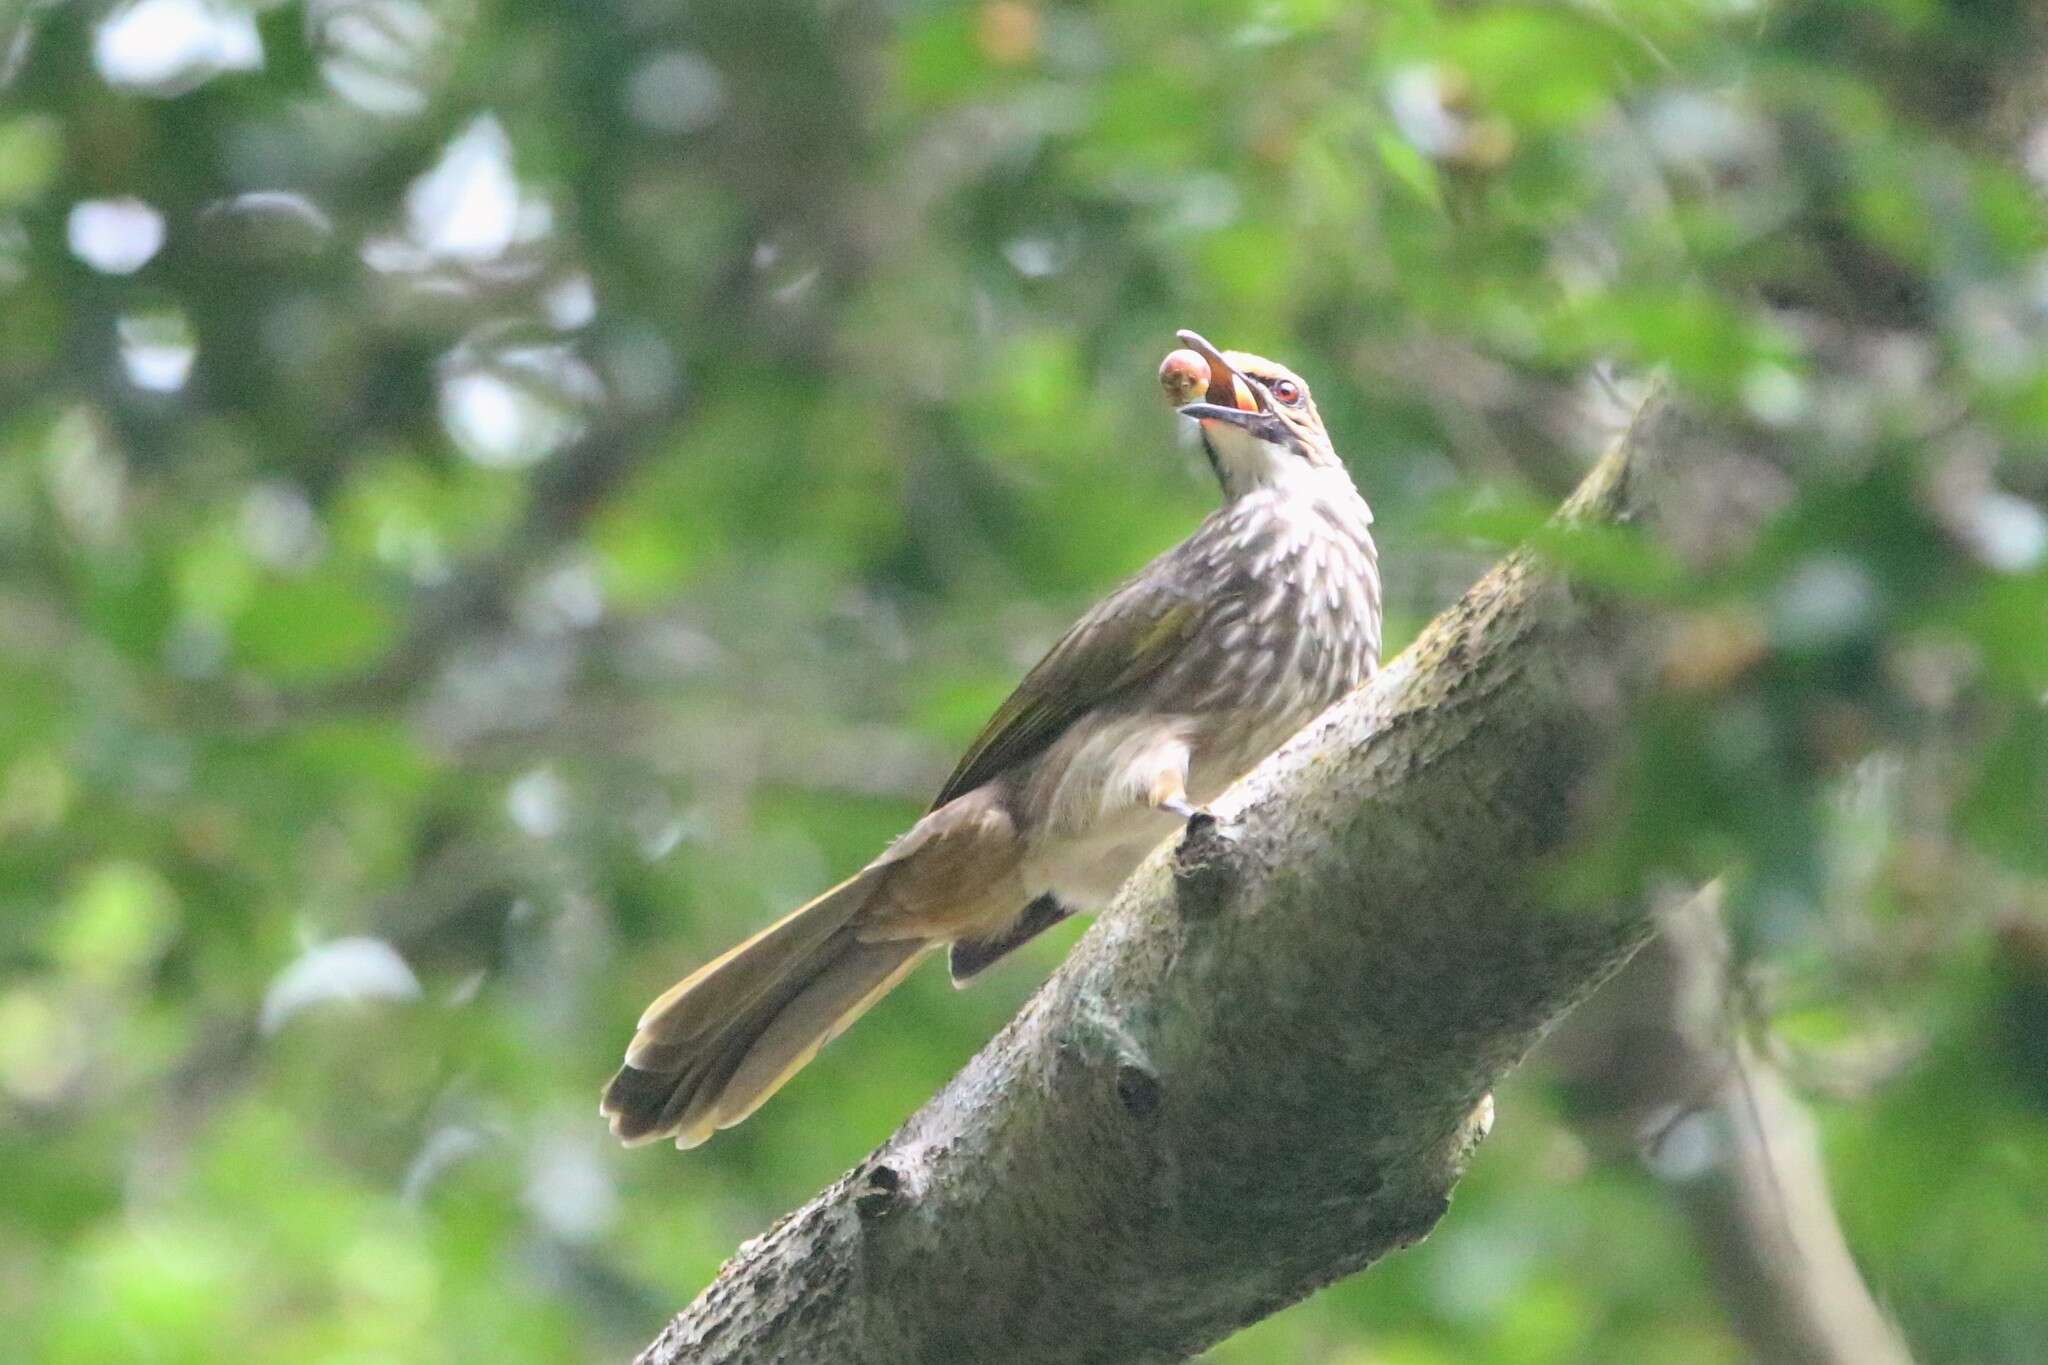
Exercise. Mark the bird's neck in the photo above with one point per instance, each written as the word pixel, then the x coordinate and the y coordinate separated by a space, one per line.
pixel 1325 487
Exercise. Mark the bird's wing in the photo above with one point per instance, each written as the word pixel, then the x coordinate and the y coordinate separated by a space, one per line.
pixel 1126 639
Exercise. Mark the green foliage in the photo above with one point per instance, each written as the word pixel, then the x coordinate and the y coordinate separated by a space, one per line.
pixel 497 500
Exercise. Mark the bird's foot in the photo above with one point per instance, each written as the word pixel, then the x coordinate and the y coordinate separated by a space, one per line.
pixel 1198 818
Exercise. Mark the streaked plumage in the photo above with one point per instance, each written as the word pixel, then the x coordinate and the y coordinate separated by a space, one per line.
pixel 1166 692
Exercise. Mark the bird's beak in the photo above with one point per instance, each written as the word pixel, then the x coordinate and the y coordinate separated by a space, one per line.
pixel 1230 397
pixel 1227 388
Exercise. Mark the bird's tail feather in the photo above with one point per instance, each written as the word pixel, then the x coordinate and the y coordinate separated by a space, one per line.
pixel 718 1043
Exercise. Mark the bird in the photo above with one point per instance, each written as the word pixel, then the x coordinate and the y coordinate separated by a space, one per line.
pixel 1157 699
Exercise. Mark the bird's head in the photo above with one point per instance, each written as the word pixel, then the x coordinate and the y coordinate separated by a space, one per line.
pixel 1258 423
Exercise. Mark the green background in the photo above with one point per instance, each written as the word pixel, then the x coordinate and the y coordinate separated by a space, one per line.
pixel 569 477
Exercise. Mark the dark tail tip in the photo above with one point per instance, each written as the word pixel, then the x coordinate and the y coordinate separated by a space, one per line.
pixel 636 1102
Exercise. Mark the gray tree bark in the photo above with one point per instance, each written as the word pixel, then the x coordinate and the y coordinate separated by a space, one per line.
pixel 1267 1064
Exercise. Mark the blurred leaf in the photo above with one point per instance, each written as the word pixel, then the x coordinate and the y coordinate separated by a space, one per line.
pixel 118 917
pixel 30 150
pixel 1542 67
pixel 309 629
pixel 2006 808
pixel 1622 557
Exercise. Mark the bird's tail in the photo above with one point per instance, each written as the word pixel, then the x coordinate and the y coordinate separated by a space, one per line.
pixel 719 1042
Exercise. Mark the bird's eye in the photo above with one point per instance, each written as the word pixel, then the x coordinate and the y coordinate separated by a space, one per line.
pixel 1287 391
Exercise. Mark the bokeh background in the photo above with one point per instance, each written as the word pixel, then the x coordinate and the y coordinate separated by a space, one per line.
pixel 499 498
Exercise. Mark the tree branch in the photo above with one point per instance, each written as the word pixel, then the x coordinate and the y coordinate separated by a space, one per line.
pixel 1655 1071
pixel 1267 1065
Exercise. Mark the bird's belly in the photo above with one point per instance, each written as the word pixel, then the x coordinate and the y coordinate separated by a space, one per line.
pixel 1084 869
pixel 1099 829
pixel 1088 804
pixel 1101 773
pixel 1234 748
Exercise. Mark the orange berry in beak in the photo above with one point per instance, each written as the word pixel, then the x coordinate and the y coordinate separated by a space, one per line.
pixel 1184 375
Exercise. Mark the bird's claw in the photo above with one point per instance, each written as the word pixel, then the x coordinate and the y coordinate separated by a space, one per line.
pixel 1198 818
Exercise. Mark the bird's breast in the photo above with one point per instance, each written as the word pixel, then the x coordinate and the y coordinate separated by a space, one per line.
pixel 1288 590
pixel 1291 616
